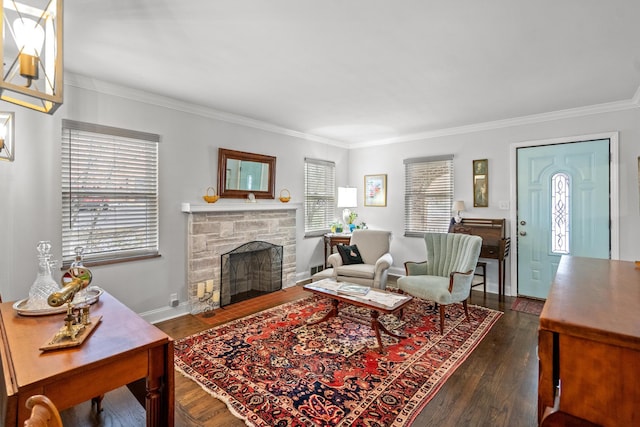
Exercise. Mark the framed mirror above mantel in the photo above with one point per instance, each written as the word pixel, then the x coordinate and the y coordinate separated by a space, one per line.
pixel 241 173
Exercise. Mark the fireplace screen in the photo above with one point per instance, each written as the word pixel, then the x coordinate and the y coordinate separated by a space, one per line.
pixel 250 270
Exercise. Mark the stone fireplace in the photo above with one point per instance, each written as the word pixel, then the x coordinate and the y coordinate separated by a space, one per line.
pixel 217 229
pixel 250 270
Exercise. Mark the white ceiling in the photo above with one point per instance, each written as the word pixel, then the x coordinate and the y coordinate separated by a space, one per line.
pixel 356 71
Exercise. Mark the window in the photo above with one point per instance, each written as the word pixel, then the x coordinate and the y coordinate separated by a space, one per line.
pixel 109 193
pixel 560 213
pixel 319 196
pixel 428 195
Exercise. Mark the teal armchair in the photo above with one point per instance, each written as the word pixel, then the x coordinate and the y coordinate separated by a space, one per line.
pixel 446 276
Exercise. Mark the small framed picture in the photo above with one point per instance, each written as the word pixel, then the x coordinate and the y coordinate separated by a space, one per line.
pixel 6 136
pixel 481 183
pixel 375 190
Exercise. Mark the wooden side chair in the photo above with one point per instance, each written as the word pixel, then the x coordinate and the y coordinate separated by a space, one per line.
pixel 43 412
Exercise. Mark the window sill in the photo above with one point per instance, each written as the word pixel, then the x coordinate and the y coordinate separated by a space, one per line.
pixel 96 263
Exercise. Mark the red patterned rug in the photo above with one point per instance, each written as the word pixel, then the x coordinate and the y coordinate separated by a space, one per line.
pixel 528 305
pixel 272 369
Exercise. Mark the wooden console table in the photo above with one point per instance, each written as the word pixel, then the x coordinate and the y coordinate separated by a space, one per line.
pixel 331 240
pixel 589 344
pixel 495 244
pixel 122 349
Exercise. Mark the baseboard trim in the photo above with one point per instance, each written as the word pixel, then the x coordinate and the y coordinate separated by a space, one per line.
pixel 165 313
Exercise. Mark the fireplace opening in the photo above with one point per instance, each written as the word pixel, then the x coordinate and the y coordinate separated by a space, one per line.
pixel 250 270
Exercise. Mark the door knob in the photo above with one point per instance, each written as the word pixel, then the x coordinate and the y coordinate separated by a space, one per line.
pixel 523 222
pixel 523 233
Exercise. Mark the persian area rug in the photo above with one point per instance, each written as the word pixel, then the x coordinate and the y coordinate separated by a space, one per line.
pixel 273 369
pixel 528 305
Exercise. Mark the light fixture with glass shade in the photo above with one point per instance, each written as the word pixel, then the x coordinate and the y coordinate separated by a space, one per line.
pixel 32 54
pixel 458 206
pixel 347 198
pixel 6 136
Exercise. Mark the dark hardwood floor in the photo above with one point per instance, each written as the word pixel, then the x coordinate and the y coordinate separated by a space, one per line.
pixel 495 386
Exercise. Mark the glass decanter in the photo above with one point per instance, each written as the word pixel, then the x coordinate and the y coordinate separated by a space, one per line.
pixel 81 295
pixel 44 285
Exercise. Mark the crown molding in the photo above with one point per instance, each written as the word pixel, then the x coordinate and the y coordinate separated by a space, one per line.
pixel 89 83
pixel 517 121
pixel 107 88
pixel 636 97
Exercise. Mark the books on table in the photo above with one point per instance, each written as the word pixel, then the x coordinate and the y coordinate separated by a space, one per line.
pixel 376 296
pixel 354 290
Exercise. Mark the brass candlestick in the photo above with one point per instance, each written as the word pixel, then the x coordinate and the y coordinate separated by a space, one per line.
pixel 77 322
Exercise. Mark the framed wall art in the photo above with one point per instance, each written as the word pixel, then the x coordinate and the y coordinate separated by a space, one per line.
pixel 375 190
pixel 480 183
pixel 6 136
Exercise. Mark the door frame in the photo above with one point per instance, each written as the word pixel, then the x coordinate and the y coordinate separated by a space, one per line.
pixel 614 194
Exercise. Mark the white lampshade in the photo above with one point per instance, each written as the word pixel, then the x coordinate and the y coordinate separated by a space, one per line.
pixel 458 205
pixel 347 197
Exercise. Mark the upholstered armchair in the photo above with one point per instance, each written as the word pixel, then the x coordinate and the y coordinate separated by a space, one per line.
pixel 372 246
pixel 446 276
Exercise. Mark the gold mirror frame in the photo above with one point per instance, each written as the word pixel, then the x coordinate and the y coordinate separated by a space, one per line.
pixel 224 155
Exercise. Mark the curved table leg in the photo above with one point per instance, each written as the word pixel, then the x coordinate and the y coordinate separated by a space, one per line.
pixel 377 325
pixel 331 313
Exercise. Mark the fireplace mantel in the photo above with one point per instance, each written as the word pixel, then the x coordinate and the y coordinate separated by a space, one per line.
pixel 188 207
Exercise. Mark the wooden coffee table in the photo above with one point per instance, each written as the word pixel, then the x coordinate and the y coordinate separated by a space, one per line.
pixel 376 300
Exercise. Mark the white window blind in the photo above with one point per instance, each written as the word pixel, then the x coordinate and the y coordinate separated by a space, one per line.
pixel 109 192
pixel 319 196
pixel 428 195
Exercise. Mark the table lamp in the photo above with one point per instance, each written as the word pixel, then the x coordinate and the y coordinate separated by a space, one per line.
pixel 458 206
pixel 347 198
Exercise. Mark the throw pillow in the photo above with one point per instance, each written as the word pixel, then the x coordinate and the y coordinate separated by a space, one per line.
pixel 350 254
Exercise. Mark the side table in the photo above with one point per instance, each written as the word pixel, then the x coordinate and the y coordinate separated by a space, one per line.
pixel 122 349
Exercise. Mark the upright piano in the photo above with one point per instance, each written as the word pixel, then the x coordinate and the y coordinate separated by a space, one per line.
pixel 495 243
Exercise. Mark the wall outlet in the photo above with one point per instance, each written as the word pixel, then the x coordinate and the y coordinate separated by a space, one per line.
pixel 173 300
pixel 503 204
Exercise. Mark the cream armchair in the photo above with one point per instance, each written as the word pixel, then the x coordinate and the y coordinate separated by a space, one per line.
pixel 373 247
pixel 447 274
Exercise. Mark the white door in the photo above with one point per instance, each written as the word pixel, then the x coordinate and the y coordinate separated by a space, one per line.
pixel 563 193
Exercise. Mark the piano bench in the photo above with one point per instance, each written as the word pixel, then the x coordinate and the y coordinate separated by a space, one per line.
pixel 481 265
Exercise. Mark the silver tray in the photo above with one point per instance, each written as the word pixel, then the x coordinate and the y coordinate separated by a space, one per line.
pixel 93 295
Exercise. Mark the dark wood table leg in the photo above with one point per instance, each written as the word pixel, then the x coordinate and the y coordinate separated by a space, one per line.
pixel 327 241
pixel 500 280
pixel 329 314
pixel 159 399
pixel 377 325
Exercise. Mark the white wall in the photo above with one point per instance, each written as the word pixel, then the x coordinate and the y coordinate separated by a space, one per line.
pixel 30 191
pixel 495 146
